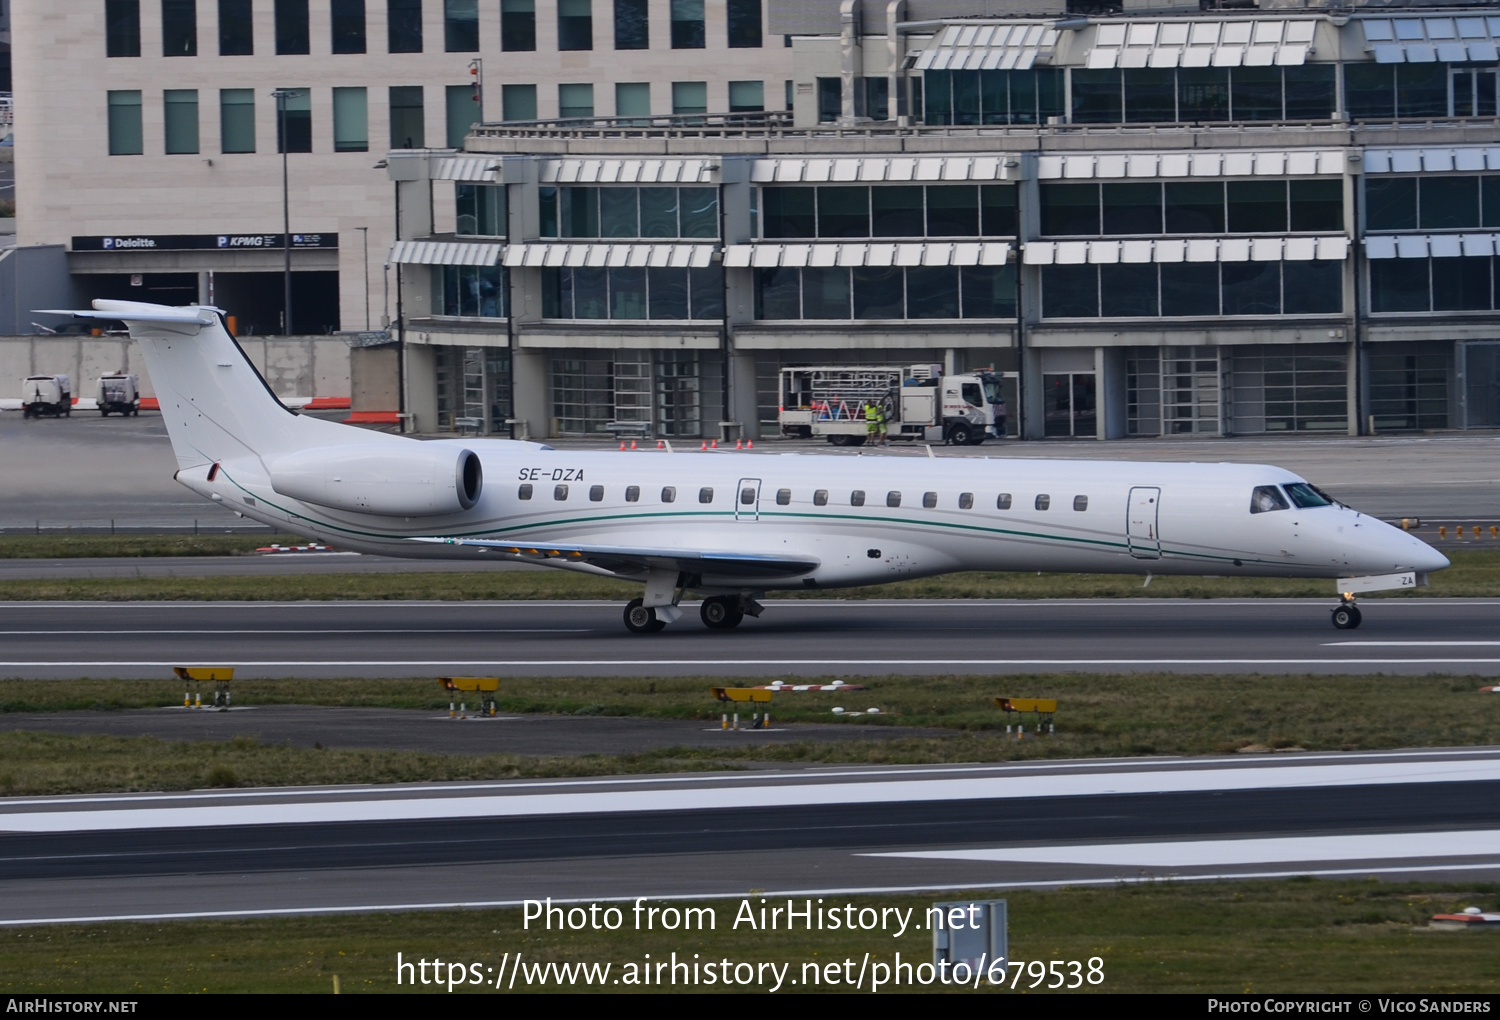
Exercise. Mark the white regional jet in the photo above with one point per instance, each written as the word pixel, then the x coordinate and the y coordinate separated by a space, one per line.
pixel 727 527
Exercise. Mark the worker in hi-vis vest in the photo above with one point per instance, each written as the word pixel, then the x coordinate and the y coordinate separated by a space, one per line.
pixel 875 423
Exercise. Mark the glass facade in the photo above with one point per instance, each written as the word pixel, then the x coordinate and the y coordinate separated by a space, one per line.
pixel 1192 207
pixel 1192 289
pixel 880 292
pixel 480 209
pixel 934 210
pixel 1463 284
pixel 471 291
pixel 661 294
pixel 574 211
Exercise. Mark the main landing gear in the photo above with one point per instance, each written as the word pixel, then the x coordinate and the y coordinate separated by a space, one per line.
pixel 641 619
pixel 719 612
pixel 1346 615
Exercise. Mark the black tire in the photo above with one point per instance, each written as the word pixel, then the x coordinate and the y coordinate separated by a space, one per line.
pixel 720 613
pixel 104 412
pixel 1346 617
pixel 978 437
pixel 959 434
pixel 641 620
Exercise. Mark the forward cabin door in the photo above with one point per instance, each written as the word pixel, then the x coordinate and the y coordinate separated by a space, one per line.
pixel 1145 540
pixel 747 500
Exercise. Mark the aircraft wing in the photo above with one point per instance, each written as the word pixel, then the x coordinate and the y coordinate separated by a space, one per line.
pixel 635 559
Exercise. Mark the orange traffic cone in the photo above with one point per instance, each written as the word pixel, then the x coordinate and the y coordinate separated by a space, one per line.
pixel 749 444
pixel 704 446
pixel 622 447
pixel 714 445
pixel 632 444
pixel 739 445
pixel 661 444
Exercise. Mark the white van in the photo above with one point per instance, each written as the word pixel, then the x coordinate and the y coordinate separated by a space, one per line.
pixel 120 393
pixel 49 395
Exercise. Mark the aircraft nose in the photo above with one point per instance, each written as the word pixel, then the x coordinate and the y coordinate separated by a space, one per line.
pixel 1427 558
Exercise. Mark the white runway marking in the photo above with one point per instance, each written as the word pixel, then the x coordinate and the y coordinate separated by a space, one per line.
pixel 321 631
pixel 1412 644
pixel 27 818
pixel 1228 852
pixel 779 663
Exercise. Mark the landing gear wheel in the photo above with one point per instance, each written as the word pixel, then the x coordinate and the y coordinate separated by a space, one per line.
pixel 1346 617
pixel 960 434
pixel 640 619
pixel 721 613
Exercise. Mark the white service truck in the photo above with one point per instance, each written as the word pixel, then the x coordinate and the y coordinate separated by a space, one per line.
pixel 119 392
pixel 917 402
pixel 46 395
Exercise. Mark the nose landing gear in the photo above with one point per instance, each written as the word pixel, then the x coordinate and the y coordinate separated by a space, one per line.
pixel 1346 615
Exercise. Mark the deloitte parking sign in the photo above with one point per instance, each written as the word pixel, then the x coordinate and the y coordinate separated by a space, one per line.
pixel 199 242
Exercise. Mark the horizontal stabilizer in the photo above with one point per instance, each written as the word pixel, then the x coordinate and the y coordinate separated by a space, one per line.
pixel 635 559
pixel 135 311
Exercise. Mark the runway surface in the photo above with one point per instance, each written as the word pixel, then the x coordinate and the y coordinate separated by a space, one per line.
pixel 793 637
pixel 1425 814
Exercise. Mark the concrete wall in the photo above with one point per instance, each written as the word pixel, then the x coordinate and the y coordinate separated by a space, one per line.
pixel 302 367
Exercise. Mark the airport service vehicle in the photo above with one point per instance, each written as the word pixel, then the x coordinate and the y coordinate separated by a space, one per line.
pixel 917 402
pixel 732 526
pixel 47 396
pixel 120 393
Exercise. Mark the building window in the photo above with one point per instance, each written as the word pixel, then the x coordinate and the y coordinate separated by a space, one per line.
pixel 291 27
pixel 351 120
pixel 625 212
pixel 830 100
pixel 1464 284
pixel 236 29
pixel 462 111
pixel 122 28
pixel 687 24
pixel 1432 203
pixel 1192 207
pixel 662 294
pixel 294 129
pixel 471 291
pixel 575 25
pixel 1409 385
pixel 518 25
pixel 744 24
pixel 1387 91
pixel 991 97
pixel 236 120
pixel 1192 289
pixel 518 102
pixel 481 210
pixel 179 28
pixel 747 96
pixel 348 26
pixel 633 99
pixel 403 26
pixel 632 25
pixel 690 97
pixel 461 26
pixel 408 129
pixel 886 292
pixel 939 210
pixel 181 120
pixel 125 123
pixel 575 100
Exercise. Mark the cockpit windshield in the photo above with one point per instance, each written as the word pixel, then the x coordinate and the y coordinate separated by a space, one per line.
pixel 1266 498
pixel 1305 495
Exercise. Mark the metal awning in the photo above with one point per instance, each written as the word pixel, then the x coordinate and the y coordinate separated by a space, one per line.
pixel 1015 45
pixel 863 253
pixel 1262 42
pixel 1195 249
pixel 1432 160
pixel 446 253
pixel 1437 246
pixel 1266 163
pixel 464 168
pixel 629 171
pixel 1429 39
pixel 880 168
pixel 612 256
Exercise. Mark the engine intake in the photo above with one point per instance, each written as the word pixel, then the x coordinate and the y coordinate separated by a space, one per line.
pixel 416 479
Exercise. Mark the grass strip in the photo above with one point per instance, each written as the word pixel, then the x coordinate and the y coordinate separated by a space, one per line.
pixel 1474 574
pixel 1285 936
pixel 66 547
pixel 1098 716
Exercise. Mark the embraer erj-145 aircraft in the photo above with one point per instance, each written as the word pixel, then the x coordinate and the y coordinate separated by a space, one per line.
pixel 727 527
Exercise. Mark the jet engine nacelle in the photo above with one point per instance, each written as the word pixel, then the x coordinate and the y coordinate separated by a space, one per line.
pixel 414 479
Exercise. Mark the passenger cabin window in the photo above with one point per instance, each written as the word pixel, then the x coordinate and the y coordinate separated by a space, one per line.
pixel 596 493
pixel 1043 502
pixel 929 499
pixel 1267 498
pixel 560 493
pixel 668 493
pixel 783 497
pixel 966 501
pixel 747 496
pixel 820 498
pixel 1080 503
pixel 524 492
pixel 857 497
pixel 893 498
pixel 1305 495
pixel 632 493
pixel 1002 501
pixel 706 495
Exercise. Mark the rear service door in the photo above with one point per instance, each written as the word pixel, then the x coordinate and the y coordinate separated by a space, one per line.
pixel 1145 541
pixel 747 500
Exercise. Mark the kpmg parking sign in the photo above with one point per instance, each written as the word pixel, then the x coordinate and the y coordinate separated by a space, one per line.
pixel 195 242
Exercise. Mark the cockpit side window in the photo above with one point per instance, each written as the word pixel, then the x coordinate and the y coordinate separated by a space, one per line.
pixel 1266 498
pixel 1305 495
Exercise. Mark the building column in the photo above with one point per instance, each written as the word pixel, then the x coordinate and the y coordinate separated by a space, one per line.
pixel 742 393
pixel 421 387
pixel 1033 410
pixel 532 378
pixel 1110 392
